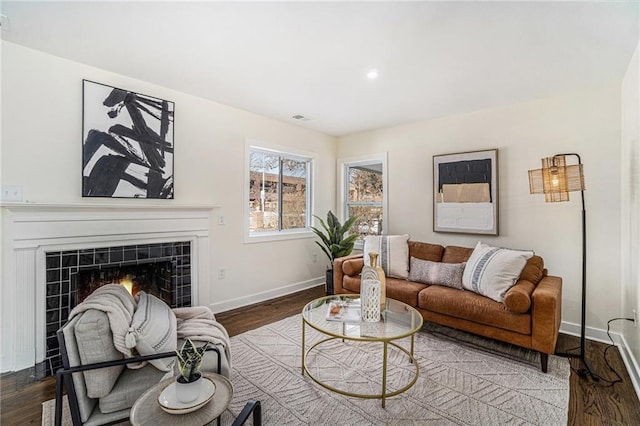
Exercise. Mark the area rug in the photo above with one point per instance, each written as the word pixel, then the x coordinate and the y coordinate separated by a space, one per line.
pixel 464 380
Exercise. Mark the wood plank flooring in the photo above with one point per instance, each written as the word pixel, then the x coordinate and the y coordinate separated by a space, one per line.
pixel 590 403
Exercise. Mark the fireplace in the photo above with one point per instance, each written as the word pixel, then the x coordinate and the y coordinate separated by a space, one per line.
pixel 163 270
pixel 49 250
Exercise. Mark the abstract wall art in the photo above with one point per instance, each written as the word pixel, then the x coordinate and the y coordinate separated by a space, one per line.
pixel 465 192
pixel 127 144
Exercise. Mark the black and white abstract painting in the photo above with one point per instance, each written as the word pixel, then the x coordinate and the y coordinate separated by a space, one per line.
pixel 465 192
pixel 127 149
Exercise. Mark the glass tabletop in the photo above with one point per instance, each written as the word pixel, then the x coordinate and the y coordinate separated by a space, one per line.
pixel 397 321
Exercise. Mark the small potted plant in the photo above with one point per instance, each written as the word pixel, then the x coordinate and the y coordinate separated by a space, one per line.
pixel 189 382
pixel 334 243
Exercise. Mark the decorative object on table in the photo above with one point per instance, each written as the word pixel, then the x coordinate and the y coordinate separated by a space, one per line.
pixel 370 299
pixel 170 402
pixel 127 149
pixel 334 243
pixel 373 271
pixel 555 180
pixel 344 310
pixel 465 192
pixel 189 382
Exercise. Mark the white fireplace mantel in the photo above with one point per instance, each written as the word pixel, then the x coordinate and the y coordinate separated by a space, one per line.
pixel 30 230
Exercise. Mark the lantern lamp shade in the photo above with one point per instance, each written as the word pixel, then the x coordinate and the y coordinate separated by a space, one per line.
pixel 555 179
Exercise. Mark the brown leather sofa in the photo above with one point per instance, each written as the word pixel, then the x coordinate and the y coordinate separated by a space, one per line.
pixel 529 317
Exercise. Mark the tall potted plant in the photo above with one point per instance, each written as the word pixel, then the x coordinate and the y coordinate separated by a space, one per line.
pixel 333 241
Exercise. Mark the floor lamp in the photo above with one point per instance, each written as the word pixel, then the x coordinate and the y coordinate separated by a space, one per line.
pixel 555 180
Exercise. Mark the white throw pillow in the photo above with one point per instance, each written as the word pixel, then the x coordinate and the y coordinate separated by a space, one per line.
pixel 153 330
pixel 491 271
pixel 393 253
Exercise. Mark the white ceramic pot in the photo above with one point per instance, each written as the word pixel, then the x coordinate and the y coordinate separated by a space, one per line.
pixel 187 392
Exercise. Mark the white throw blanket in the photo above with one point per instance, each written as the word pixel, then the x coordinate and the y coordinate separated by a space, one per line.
pixel 115 301
pixel 199 324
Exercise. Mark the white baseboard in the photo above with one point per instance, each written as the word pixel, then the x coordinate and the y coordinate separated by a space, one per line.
pixel 600 335
pixel 265 295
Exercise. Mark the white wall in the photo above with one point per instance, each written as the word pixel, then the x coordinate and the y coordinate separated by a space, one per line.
pixel 41 151
pixel 630 166
pixel 586 122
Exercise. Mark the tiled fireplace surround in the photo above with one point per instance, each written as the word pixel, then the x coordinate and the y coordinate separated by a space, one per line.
pixel 63 267
pixel 44 246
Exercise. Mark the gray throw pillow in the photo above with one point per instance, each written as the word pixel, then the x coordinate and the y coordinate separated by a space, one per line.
pixel 436 273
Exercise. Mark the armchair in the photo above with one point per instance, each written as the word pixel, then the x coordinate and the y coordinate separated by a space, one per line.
pixel 101 390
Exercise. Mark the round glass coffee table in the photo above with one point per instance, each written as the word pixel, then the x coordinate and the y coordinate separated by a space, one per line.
pixel 398 321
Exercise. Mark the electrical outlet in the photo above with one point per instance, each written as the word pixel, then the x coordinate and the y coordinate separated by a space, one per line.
pixel 11 193
pixel 314 256
pixel 220 219
pixel 635 318
pixel 221 274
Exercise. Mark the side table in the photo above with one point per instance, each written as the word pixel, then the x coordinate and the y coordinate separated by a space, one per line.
pixel 146 409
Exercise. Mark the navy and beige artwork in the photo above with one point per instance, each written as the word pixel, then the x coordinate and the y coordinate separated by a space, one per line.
pixel 466 193
pixel 127 149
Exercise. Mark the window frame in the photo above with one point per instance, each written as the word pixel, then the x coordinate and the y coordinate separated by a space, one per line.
pixel 343 187
pixel 289 153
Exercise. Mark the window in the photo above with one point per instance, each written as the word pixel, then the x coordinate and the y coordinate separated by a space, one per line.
pixel 364 182
pixel 279 193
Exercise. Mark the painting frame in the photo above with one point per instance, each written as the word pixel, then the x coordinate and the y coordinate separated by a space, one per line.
pixel 465 193
pixel 127 143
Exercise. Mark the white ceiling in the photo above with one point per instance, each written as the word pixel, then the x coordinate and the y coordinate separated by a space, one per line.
pixel 280 59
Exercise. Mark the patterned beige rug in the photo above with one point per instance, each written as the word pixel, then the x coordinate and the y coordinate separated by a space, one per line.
pixel 464 380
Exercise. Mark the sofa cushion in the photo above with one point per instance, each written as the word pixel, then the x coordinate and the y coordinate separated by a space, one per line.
pixel 534 270
pixel 352 266
pixel 518 298
pixel 95 344
pixel 472 307
pixel 437 273
pixel 425 251
pixel 402 290
pixel 393 253
pixel 455 254
pixel 491 271
pixel 153 329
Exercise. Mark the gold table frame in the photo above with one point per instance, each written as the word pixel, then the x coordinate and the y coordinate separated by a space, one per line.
pixel 392 305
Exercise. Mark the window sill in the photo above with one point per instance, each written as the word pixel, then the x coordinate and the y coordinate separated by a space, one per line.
pixel 263 237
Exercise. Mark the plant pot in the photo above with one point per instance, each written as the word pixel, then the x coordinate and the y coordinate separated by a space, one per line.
pixel 188 391
pixel 329 283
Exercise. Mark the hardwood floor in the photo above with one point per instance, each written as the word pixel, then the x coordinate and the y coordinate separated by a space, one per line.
pixel 590 403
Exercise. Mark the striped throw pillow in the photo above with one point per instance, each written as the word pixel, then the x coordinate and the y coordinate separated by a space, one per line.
pixel 491 271
pixel 393 253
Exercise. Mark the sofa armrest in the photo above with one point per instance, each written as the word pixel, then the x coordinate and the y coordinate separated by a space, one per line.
pixel 546 314
pixel 338 273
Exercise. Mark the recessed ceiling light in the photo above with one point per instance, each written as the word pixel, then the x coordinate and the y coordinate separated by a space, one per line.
pixel 372 74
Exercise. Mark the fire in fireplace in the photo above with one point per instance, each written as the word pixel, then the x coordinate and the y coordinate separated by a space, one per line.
pixel 153 278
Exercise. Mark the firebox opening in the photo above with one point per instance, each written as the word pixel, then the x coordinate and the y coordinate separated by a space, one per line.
pixel 152 278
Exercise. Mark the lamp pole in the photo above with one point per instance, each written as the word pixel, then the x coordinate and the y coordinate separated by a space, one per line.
pixel 588 369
